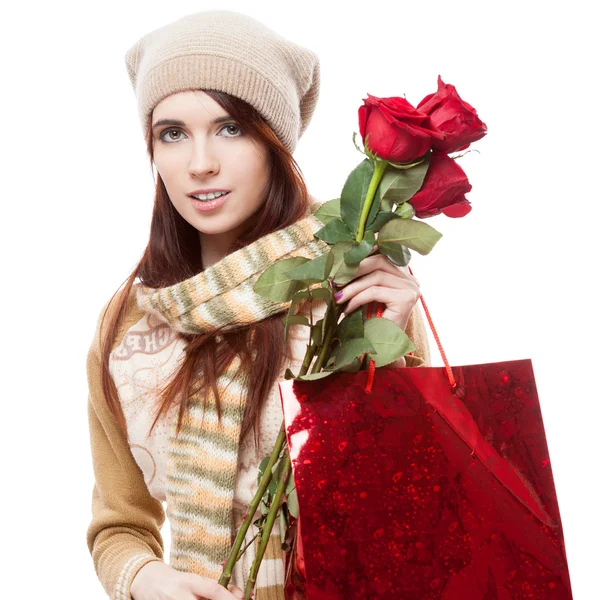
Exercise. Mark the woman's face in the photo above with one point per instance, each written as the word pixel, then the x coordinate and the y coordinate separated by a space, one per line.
pixel 198 154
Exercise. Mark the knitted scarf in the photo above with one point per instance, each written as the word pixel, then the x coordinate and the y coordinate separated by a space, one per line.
pixel 202 460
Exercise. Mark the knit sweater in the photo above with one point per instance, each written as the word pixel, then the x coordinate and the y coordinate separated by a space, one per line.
pixel 204 475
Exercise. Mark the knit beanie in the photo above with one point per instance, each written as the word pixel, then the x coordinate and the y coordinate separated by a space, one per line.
pixel 229 52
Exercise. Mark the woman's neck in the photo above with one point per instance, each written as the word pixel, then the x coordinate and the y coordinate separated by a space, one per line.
pixel 214 247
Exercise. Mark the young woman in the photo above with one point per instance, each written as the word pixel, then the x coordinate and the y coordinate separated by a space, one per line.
pixel 185 362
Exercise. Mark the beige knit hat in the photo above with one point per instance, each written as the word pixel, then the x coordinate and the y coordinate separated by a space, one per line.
pixel 229 52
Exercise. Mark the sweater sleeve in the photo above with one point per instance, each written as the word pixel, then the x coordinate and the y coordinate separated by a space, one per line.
pixel 124 533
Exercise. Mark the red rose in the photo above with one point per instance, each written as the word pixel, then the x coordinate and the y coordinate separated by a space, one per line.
pixel 452 115
pixel 397 131
pixel 443 189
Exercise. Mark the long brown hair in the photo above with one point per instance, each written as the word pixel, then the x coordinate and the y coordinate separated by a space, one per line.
pixel 173 254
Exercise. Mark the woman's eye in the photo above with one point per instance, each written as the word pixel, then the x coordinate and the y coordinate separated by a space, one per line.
pixel 168 131
pixel 166 136
pixel 234 127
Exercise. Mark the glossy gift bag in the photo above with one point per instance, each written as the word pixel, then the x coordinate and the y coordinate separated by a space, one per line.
pixel 435 483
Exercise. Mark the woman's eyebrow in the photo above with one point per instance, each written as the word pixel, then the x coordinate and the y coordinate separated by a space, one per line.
pixel 182 124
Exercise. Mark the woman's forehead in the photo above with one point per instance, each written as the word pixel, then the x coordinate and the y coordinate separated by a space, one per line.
pixel 189 105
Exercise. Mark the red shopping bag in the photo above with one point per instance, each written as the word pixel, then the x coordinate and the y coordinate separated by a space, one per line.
pixel 435 484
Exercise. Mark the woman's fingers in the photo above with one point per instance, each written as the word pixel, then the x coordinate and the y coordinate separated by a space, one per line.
pixel 387 283
pixel 380 261
pixel 211 590
pixel 236 591
pixel 396 300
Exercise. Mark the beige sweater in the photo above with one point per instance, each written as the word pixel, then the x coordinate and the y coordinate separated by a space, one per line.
pixel 127 501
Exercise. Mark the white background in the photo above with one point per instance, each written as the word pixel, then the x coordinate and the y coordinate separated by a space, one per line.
pixel 513 279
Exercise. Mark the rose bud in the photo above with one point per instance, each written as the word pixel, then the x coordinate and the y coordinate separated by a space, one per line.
pixel 452 115
pixel 443 189
pixel 396 131
pixel 405 210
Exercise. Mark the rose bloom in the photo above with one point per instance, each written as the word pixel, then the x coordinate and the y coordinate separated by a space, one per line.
pixel 443 189
pixel 453 116
pixel 396 131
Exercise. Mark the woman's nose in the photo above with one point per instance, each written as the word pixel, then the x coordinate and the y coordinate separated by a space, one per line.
pixel 203 160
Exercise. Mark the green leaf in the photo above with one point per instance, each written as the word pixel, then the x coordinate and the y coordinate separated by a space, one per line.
pixel 291 484
pixel 289 374
pixel 346 273
pixel 312 376
pixel 317 269
pixel 336 342
pixel 262 467
pixel 351 349
pixel 387 205
pixel 351 326
pixel 277 472
pixel 317 332
pixel 374 210
pixel 283 523
pixel 321 293
pixel 415 235
pixel 340 271
pixel 301 295
pixel 296 320
pixel 338 251
pixel 275 284
pixel 272 486
pixel 398 186
pixel 362 250
pixel 317 293
pixel 292 503
pixel 398 254
pixel 353 367
pixel 334 231
pixel 264 508
pixel 354 194
pixel 390 341
pixel 329 211
pixel 383 217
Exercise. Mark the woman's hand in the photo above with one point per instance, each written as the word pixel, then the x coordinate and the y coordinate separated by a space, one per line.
pixel 157 580
pixel 379 279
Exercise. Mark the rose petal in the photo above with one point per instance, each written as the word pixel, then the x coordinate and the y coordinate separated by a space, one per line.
pixel 460 209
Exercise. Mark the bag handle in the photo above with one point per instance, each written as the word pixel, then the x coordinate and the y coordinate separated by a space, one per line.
pixel 449 372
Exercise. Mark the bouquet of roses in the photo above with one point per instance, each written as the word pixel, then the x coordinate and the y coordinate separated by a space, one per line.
pixel 408 172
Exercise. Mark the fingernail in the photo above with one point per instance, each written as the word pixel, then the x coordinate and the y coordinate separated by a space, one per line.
pixel 338 296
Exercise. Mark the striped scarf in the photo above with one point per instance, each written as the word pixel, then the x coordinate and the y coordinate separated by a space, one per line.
pixel 202 460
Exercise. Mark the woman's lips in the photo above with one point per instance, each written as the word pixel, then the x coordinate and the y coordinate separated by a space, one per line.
pixel 210 204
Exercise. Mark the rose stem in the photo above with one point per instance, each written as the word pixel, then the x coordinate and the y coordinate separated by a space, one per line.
pixel 334 310
pixel 264 482
pixel 322 357
pixel 380 166
pixel 266 533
